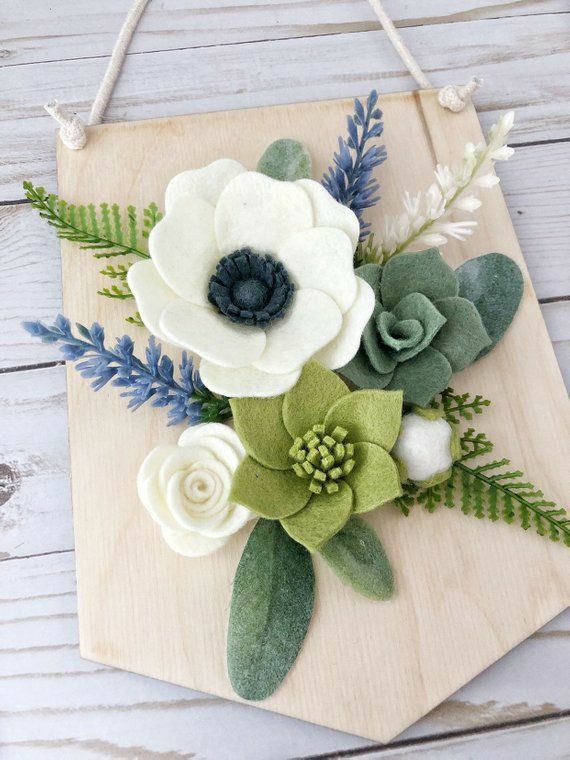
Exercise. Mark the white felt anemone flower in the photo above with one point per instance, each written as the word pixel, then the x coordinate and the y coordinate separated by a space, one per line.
pixel 253 275
pixel 426 447
pixel 186 489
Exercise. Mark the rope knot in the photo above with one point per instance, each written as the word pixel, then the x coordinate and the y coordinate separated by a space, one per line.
pixel 455 97
pixel 72 132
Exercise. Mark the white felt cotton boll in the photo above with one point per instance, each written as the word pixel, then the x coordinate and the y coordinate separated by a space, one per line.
pixel 186 489
pixel 424 446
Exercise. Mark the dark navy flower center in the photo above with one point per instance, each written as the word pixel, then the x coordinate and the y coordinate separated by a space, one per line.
pixel 250 288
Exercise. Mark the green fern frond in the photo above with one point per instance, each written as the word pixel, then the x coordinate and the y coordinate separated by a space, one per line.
pixel 461 405
pixel 367 252
pixel 116 292
pixel 135 319
pixel 106 230
pixel 118 272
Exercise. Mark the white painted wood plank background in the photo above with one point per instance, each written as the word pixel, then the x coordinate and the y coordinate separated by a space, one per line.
pixel 195 56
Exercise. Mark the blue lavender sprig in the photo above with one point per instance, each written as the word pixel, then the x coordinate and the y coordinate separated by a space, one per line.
pixel 186 399
pixel 350 179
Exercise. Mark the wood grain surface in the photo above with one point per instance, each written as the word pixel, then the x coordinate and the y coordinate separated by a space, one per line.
pixel 365 668
pixel 48 707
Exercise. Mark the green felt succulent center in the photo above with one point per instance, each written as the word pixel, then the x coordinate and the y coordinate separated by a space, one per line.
pixel 323 460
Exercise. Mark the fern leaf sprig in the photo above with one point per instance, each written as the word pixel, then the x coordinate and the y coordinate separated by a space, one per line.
pixel 106 231
pixel 186 398
pixel 456 405
pixel 121 293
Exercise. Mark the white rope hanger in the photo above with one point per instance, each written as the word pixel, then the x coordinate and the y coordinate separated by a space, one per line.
pixel 74 134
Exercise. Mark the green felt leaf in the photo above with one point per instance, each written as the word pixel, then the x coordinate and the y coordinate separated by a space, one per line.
pixel 270 493
pixel 415 316
pixel 361 373
pixel 286 160
pixel 368 415
pixel 357 557
pixel 272 606
pixel 494 283
pixel 259 424
pixel 374 479
pixel 377 353
pixel 307 403
pixel 463 336
pixel 422 377
pixel 323 516
pixel 372 274
pixel 424 272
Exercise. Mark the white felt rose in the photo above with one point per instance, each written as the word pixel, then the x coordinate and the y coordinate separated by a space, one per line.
pixel 426 447
pixel 186 489
pixel 253 275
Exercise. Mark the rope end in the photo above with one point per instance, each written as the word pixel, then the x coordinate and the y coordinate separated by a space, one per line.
pixel 455 97
pixel 73 133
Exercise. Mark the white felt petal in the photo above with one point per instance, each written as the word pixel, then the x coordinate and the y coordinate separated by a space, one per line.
pixel 424 446
pixel 206 183
pixel 149 489
pixel 321 258
pixel 344 347
pixel 218 438
pixel 212 336
pixel 246 381
pixel 191 544
pixel 236 517
pixel 260 212
pixel 330 213
pixel 312 321
pixel 151 293
pixel 183 248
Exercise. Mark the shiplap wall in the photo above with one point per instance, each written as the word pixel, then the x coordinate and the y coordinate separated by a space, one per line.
pixel 193 56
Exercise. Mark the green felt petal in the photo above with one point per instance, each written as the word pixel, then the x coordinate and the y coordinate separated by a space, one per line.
pixel 494 283
pixel 378 355
pixel 323 516
pixel 356 555
pixel 422 377
pixel 463 336
pixel 259 424
pixel 361 373
pixel 309 400
pixel 270 493
pixel 272 605
pixel 417 308
pixel 368 415
pixel 372 274
pixel 374 479
pixel 424 272
pixel 286 160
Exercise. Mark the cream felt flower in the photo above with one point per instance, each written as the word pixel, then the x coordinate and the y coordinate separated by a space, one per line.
pixel 186 489
pixel 255 276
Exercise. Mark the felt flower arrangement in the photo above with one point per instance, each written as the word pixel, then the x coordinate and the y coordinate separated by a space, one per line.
pixel 253 273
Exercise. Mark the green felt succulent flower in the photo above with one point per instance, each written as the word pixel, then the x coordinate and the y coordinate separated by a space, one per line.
pixel 421 330
pixel 317 454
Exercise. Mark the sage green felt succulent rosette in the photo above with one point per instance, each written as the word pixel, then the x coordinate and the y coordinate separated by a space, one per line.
pixel 332 352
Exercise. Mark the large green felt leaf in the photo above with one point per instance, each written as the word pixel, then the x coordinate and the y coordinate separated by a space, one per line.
pixel 259 424
pixel 374 479
pixel 372 274
pixel 272 605
pixel 357 557
pixel 323 516
pixel 368 415
pixel 424 272
pixel 307 403
pixel 286 160
pixel 463 336
pixel 494 283
pixel 422 377
pixel 270 493
pixel 362 374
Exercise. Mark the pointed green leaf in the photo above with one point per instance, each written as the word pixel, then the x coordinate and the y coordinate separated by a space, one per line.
pixel 356 555
pixel 323 516
pixel 270 493
pixel 423 272
pixel 368 415
pixel 272 605
pixel 286 160
pixel 494 283
pixel 259 424
pixel 375 478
